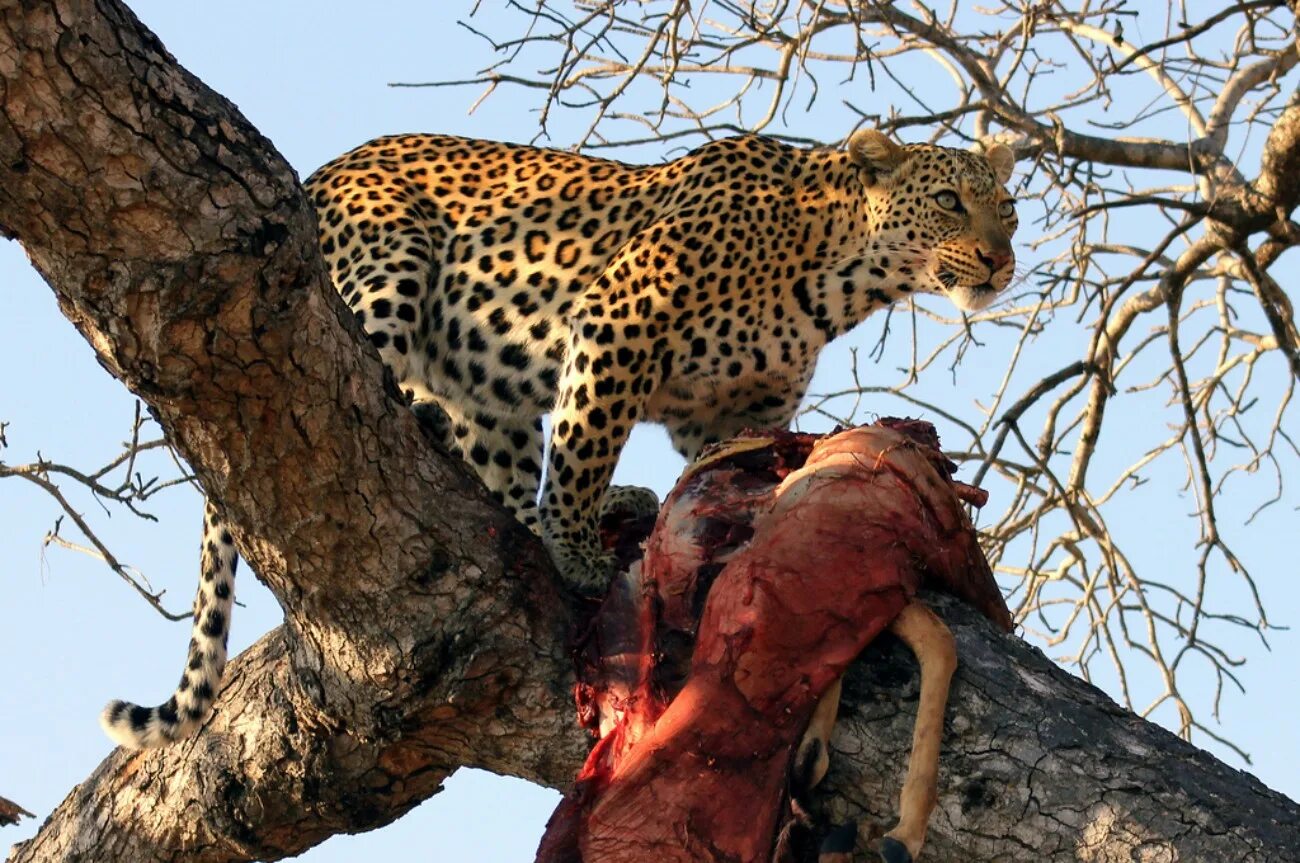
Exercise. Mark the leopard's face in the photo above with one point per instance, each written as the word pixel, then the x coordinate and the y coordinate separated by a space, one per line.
pixel 948 214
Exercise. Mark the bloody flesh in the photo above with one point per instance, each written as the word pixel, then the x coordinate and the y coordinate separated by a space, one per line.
pixel 774 561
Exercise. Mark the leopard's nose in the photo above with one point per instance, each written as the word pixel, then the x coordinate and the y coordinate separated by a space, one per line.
pixel 994 260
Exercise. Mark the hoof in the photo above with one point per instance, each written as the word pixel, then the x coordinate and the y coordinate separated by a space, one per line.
pixel 807 770
pixel 893 851
pixel 838 844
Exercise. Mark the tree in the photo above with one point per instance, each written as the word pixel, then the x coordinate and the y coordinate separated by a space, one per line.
pixel 178 244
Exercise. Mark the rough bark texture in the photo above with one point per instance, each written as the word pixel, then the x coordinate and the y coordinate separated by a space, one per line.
pixel 419 636
pixel 1039 765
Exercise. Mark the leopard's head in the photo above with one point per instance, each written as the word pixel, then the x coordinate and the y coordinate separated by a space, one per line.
pixel 946 213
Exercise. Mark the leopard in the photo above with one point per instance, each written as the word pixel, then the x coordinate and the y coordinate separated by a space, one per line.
pixel 500 282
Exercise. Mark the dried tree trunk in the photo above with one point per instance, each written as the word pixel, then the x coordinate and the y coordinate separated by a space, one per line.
pixel 421 637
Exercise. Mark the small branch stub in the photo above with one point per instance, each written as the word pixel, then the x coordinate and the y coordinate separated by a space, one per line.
pixel 12 813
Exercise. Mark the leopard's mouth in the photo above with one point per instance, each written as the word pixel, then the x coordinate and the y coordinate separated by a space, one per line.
pixel 969 298
pixel 950 280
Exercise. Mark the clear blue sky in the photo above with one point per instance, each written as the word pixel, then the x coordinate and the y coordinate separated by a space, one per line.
pixel 313 78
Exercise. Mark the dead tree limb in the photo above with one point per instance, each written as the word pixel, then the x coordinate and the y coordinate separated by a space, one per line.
pixel 423 628
pixel 12 813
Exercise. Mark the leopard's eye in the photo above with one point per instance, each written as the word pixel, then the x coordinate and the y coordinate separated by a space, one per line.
pixel 948 201
pixel 1006 209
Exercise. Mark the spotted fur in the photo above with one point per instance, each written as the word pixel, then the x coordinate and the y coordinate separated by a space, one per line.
pixel 499 282
pixel 134 726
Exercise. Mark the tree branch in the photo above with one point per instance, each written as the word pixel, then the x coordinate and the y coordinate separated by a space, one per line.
pixel 179 244
pixel 11 812
pixel 1039 765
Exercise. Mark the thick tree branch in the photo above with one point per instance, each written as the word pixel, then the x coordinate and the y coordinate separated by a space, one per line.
pixel 1062 771
pixel 422 636
pixel 178 242
pixel 1037 766
pixel 268 777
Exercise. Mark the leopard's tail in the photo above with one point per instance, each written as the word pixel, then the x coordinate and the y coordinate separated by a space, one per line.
pixel 137 727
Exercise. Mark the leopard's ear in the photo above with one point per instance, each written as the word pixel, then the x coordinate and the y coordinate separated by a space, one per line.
pixel 1001 158
pixel 875 151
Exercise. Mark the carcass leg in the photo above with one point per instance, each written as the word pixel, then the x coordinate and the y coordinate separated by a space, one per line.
pixel 932 642
pixel 813 757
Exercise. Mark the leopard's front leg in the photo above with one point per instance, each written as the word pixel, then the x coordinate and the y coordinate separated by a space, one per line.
pixel 598 401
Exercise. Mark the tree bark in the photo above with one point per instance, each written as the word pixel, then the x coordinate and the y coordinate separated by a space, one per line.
pixel 421 637
pixel 1039 765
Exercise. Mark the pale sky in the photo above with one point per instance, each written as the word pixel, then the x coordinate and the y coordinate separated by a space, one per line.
pixel 312 77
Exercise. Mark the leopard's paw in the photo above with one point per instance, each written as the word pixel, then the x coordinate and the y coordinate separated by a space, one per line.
pixel 633 501
pixel 585 568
